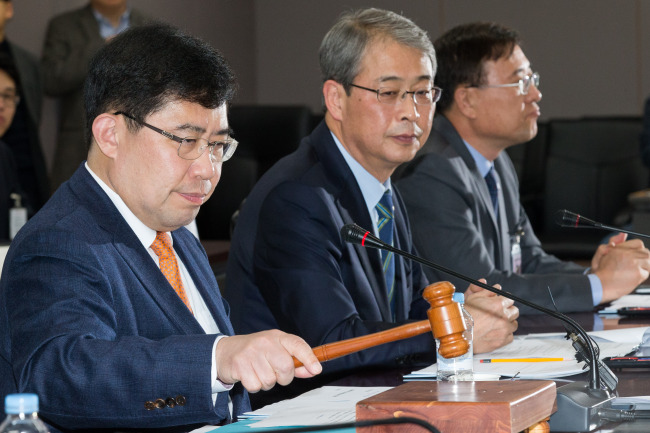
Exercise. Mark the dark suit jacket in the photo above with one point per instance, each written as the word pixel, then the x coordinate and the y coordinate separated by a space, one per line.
pixel 71 40
pixel 90 324
pixel 28 151
pixel 288 266
pixel 454 225
pixel 8 185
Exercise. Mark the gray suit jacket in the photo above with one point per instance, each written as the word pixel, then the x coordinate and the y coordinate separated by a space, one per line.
pixel 30 80
pixel 454 225
pixel 70 42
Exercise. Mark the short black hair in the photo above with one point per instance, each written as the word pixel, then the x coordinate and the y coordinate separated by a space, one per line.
pixel 145 67
pixel 462 52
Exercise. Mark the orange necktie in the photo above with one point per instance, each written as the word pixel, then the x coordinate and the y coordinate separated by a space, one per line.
pixel 162 246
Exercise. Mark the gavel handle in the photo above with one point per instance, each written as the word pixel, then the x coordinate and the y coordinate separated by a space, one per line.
pixel 337 349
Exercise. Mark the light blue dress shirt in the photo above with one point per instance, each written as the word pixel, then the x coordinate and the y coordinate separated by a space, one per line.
pixel 106 29
pixel 371 188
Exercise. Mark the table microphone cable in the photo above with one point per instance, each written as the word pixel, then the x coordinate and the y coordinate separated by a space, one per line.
pixel 359 424
pixel 623 414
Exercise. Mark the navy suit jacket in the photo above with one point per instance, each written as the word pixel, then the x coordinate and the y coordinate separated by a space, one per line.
pixel 454 225
pixel 90 324
pixel 289 268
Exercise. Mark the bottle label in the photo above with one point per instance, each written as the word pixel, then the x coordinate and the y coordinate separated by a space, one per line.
pixel 460 367
pixel 17 219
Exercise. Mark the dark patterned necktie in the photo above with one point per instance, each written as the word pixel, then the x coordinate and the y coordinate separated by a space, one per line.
pixel 490 179
pixel 385 228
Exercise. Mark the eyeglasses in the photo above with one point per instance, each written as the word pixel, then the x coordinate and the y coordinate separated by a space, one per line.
pixel 10 99
pixel 391 95
pixel 192 148
pixel 523 84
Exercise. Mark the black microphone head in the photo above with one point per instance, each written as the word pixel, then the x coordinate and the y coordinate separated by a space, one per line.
pixel 354 234
pixel 565 218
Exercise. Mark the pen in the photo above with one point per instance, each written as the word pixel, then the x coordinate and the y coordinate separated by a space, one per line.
pixel 489 361
pixel 630 358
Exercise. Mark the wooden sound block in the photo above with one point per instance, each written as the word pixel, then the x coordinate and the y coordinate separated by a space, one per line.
pixel 464 407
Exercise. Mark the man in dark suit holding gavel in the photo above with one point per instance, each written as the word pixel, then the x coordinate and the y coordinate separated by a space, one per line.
pixel 109 309
pixel 288 266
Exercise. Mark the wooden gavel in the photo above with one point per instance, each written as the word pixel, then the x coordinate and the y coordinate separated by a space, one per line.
pixel 445 320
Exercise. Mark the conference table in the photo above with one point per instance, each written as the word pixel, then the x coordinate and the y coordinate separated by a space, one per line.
pixel 632 381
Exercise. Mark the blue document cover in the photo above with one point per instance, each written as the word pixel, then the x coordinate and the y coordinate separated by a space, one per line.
pixel 243 427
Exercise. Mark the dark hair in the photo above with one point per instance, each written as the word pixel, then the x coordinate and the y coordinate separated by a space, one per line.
pixel 145 67
pixel 344 45
pixel 462 52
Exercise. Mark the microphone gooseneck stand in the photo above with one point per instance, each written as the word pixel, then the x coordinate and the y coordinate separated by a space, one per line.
pixel 568 219
pixel 578 402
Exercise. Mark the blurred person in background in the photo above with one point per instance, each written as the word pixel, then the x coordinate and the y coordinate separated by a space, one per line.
pixel 71 40
pixel 22 137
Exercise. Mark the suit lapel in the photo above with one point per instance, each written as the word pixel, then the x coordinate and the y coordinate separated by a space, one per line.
pixel 203 277
pixel 504 239
pixel 352 208
pixel 480 188
pixel 130 248
pixel 89 24
pixel 484 194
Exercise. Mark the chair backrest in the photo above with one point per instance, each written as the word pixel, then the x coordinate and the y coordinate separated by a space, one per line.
pixel 591 167
pixel 265 134
pixel 529 160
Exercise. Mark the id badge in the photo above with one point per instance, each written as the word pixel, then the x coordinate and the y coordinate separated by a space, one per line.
pixel 515 255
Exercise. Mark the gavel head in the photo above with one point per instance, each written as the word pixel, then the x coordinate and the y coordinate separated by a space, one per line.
pixel 446 319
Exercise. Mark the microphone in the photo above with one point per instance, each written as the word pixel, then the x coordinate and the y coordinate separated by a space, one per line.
pixel 577 402
pixel 565 218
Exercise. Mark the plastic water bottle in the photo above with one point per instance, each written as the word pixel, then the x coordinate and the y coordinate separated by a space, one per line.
pixel 460 367
pixel 22 415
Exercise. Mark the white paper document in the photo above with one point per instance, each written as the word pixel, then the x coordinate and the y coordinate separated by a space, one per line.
pixel 620 335
pixel 639 402
pixel 627 301
pixel 549 346
pixel 326 405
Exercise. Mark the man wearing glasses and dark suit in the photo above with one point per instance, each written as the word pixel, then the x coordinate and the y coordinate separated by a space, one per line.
pixel 288 266
pixel 109 309
pixel 462 192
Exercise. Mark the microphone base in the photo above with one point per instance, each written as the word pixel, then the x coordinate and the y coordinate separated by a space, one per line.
pixel 578 406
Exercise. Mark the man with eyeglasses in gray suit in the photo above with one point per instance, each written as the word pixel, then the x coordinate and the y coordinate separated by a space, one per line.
pixel 462 192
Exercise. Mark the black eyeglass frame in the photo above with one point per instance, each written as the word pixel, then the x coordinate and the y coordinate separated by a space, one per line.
pixel 435 97
pixel 229 146
pixel 8 98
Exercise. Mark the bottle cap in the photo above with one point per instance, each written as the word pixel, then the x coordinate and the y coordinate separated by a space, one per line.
pixel 458 297
pixel 16 198
pixel 21 403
